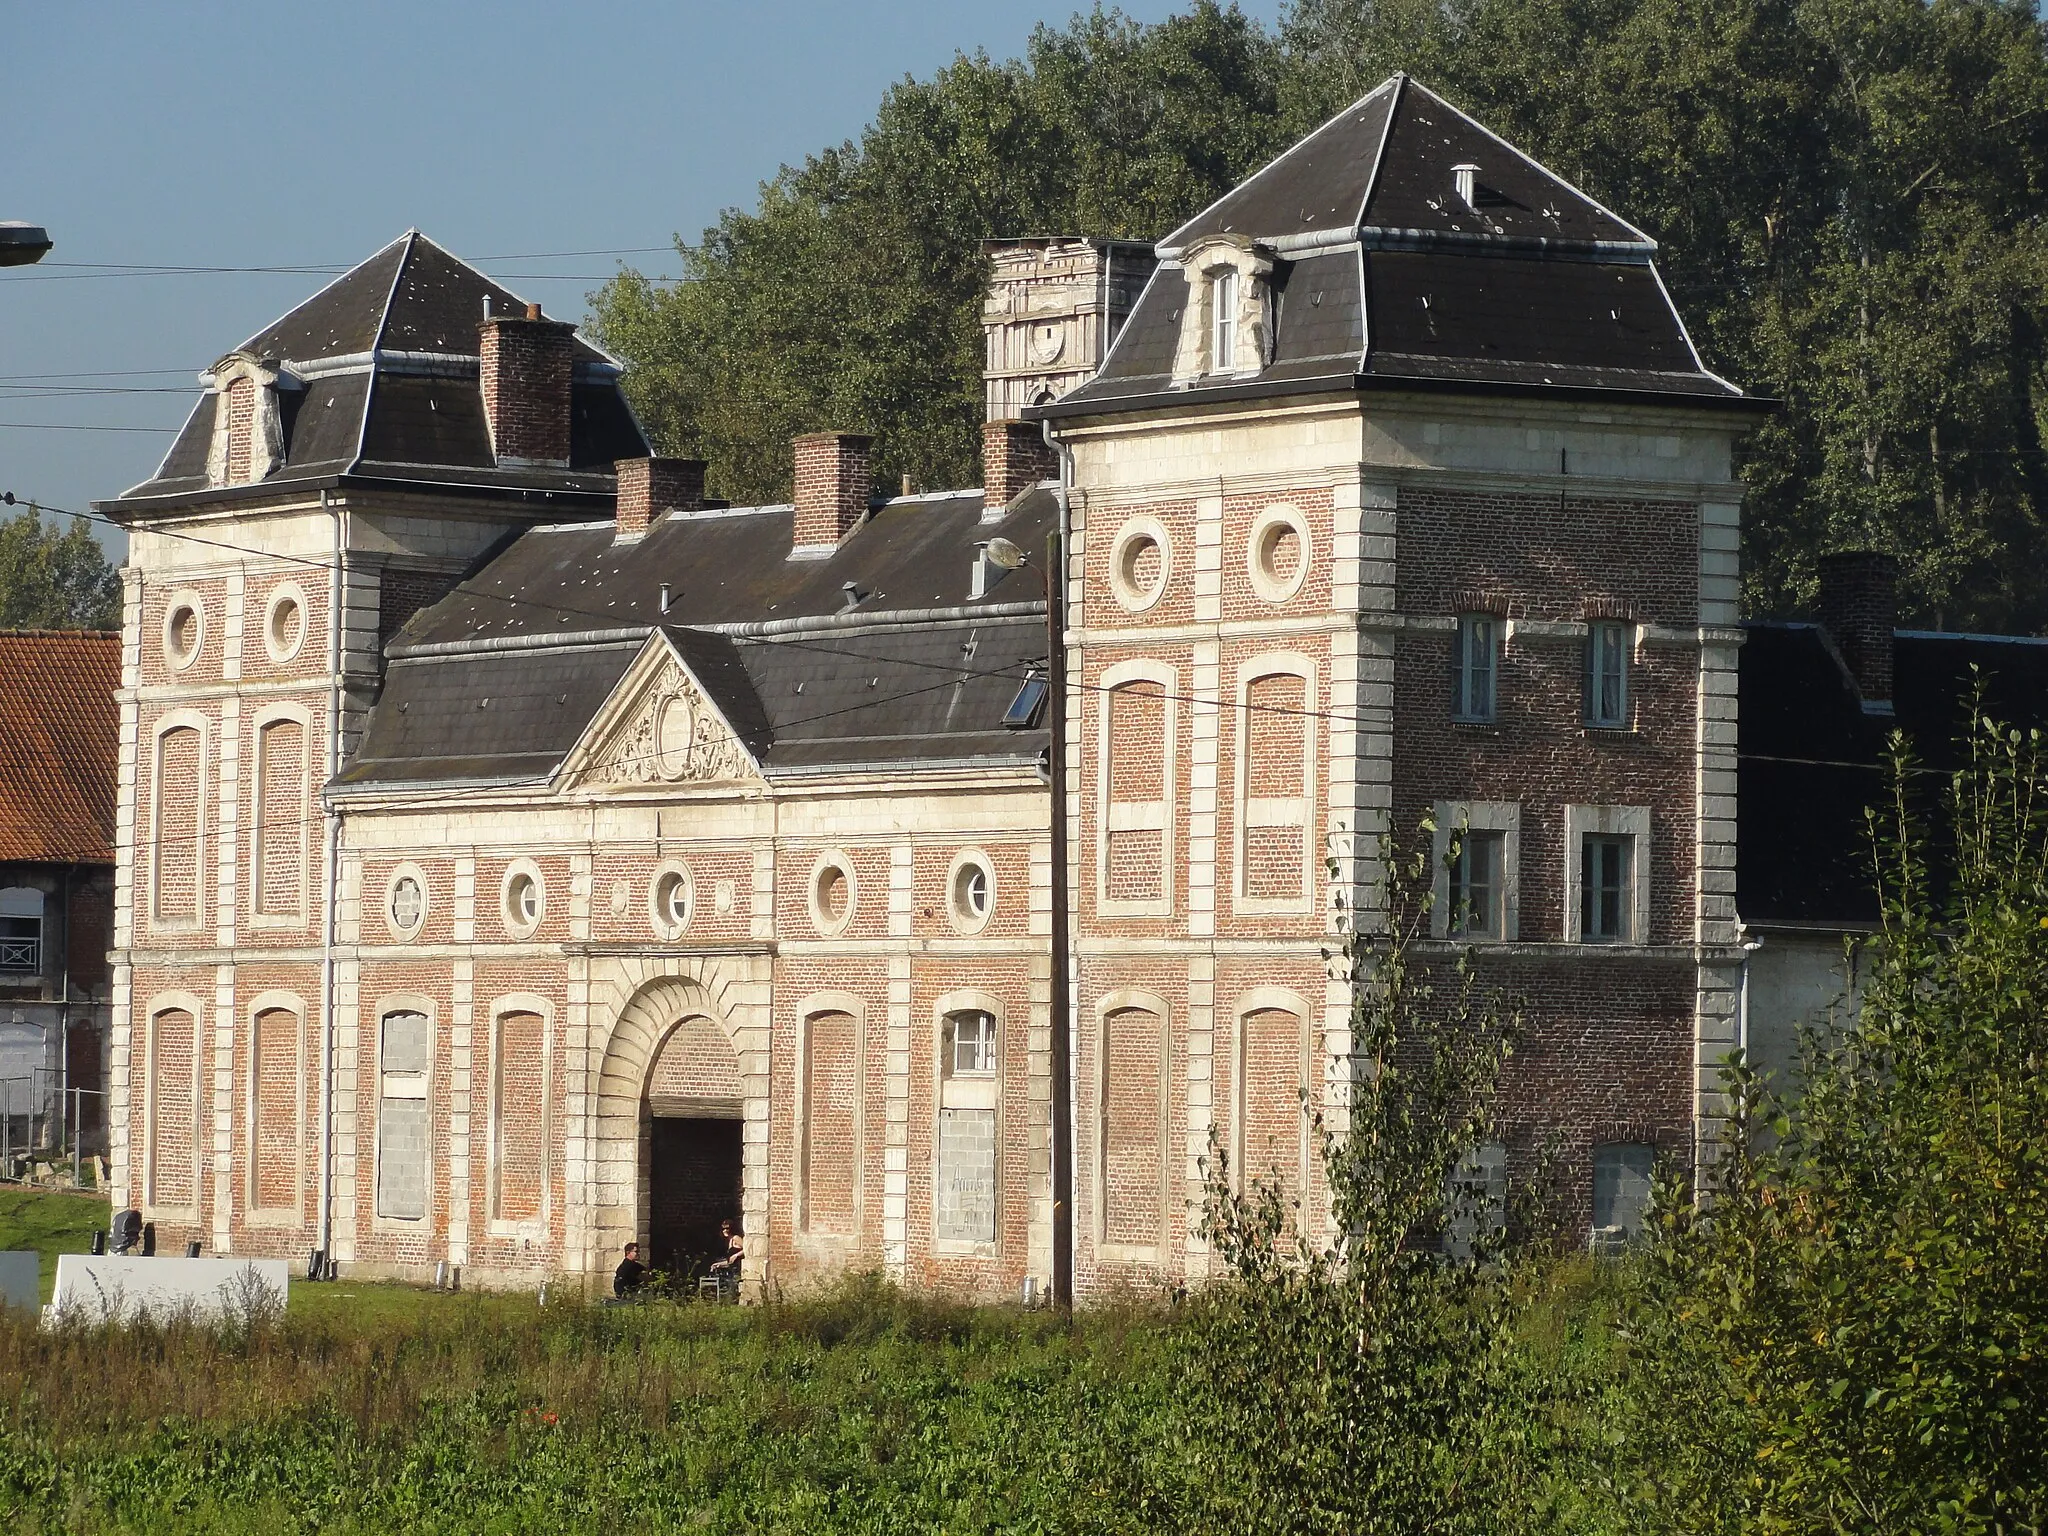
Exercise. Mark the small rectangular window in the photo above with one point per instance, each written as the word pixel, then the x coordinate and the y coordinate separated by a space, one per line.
pixel 1476 886
pixel 1622 1179
pixel 1606 888
pixel 1607 675
pixel 971 1044
pixel 1223 309
pixel 1472 687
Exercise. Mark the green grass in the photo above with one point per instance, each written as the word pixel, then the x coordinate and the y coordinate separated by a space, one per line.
pixel 51 1222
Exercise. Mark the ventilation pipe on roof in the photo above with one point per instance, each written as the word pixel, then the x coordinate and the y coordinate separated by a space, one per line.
pixel 977 579
pixel 850 597
pixel 1466 178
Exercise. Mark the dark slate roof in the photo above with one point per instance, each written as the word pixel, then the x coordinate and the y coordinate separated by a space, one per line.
pixel 1384 277
pixel 59 745
pixel 379 381
pixel 1813 761
pixel 499 681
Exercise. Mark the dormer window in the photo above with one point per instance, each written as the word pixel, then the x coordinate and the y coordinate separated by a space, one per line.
pixel 1223 321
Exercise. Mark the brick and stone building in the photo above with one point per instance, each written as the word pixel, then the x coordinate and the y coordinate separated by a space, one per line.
pixel 521 853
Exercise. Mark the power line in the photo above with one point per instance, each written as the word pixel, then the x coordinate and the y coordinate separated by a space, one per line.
pixel 70 426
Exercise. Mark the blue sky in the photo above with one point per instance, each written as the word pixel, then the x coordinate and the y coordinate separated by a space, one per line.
pixel 210 134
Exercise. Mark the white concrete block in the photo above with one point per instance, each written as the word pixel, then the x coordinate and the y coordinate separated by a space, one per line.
pixel 110 1289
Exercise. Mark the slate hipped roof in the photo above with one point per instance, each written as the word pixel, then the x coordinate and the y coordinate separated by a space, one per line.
pixel 378 382
pixel 59 745
pixel 500 681
pixel 1385 277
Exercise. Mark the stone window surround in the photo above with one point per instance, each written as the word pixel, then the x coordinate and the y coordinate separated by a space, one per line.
pixel 1269 587
pixel 517 926
pixel 1277 664
pixel 1502 816
pixel 828 926
pixel 399 872
pixel 807 1009
pixel 958 912
pixel 1122 586
pixel 284 592
pixel 949 1092
pixel 254 1215
pixel 658 911
pixel 1200 263
pixel 261 721
pixel 158 1005
pixel 1139 815
pixel 184 599
pixel 386 1005
pixel 1148 1002
pixel 535 1227
pixel 1262 1000
pixel 1614 820
pixel 178 720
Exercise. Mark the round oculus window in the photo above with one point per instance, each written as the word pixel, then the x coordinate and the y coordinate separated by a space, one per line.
pixel 673 898
pixel 524 902
pixel 1276 557
pixel 1138 564
pixel 182 634
pixel 971 893
pixel 284 627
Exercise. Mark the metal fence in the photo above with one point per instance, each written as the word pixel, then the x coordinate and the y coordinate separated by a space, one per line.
pixel 44 1122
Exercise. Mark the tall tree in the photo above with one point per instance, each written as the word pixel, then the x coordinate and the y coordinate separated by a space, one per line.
pixel 850 296
pixel 55 579
pixel 1851 197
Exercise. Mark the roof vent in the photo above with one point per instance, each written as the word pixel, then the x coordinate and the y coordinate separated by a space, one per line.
pixel 850 597
pixel 1466 178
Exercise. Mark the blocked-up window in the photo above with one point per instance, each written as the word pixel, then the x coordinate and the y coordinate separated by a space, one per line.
pixel 1277 750
pixel 519 1118
pixel 172 1087
pixel 1622 1175
pixel 1476 1199
pixel 178 819
pixel 1137 793
pixel 1134 1152
pixel 405 1057
pixel 1272 1074
pixel 831 1123
pixel 280 833
pixel 966 1195
pixel 274 1144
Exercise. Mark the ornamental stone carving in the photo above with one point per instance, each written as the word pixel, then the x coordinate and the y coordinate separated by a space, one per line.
pixel 676 737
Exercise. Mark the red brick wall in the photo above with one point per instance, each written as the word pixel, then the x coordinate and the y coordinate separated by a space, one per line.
pixel 241 405
pixel 177 854
pixel 274 1141
pixel 519 1110
pixel 282 811
pixel 173 1061
pixel 1134 1128
pixel 525 370
pixel 833 1150
pixel 833 483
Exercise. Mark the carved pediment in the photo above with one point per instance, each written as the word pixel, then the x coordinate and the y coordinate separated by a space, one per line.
pixel 673 734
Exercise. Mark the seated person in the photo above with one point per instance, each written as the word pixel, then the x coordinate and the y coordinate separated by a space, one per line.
pixel 627 1278
pixel 728 1268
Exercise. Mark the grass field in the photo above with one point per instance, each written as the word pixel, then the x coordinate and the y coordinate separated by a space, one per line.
pixel 51 1222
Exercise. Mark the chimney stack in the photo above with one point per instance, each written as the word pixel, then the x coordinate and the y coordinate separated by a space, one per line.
pixel 525 364
pixel 833 483
pixel 1859 608
pixel 1014 457
pixel 650 487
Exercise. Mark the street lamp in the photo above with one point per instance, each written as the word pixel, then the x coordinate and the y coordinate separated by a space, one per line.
pixel 22 245
pixel 1002 552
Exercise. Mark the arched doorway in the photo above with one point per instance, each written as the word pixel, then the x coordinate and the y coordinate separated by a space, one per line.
pixel 693 1121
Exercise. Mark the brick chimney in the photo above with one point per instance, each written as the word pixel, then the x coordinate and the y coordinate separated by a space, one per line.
pixel 833 482
pixel 1859 608
pixel 1014 457
pixel 525 364
pixel 650 487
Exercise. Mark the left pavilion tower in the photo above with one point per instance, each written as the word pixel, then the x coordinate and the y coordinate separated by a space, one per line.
pixel 343 469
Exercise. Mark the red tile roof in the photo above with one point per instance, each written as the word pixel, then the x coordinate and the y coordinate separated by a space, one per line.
pixel 59 745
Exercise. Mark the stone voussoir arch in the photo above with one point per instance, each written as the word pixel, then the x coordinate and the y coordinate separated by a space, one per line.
pixel 644 1003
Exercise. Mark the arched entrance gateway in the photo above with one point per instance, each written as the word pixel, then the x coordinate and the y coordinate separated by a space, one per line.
pixel 681 1127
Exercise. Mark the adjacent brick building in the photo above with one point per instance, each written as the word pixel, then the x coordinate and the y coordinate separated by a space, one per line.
pixel 521 853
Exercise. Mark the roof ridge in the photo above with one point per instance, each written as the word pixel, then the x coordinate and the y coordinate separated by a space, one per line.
pixel 411 238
